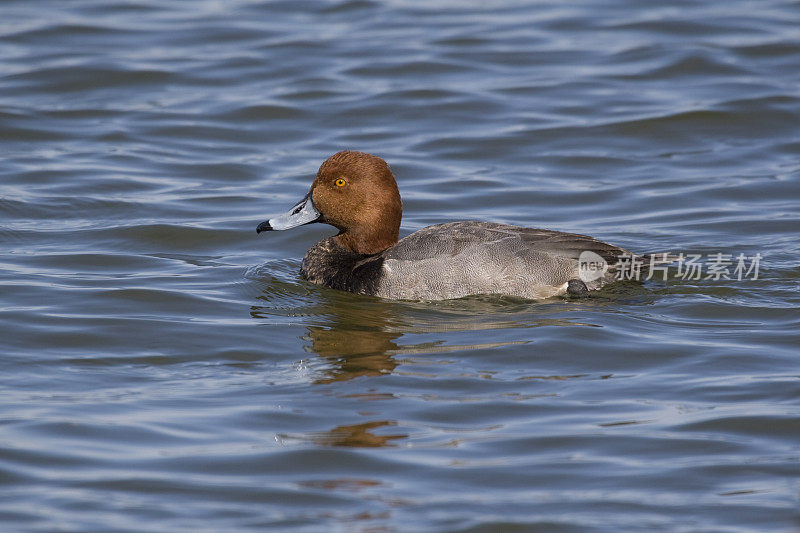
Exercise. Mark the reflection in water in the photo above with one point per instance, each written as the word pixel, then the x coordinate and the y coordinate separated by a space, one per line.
pixel 348 484
pixel 358 435
pixel 358 336
pixel 353 353
pixel 351 436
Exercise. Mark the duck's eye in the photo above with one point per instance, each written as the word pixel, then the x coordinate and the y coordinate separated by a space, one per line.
pixel 340 182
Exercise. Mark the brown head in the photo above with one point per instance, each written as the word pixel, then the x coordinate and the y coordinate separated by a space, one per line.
pixel 356 193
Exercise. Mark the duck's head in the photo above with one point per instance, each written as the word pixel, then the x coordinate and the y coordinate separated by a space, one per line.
pixel 354 192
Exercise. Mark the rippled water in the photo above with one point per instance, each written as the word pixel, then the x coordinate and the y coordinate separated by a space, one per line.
pixel 165 369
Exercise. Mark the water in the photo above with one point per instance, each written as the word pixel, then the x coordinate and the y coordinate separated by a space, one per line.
pixel 164 369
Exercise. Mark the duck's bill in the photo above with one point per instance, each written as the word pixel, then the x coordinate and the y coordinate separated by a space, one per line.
pixel 305 212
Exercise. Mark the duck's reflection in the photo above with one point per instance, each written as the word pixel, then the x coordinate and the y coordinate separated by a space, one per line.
pixel 352 353
pixel 359 336
pixel 358 435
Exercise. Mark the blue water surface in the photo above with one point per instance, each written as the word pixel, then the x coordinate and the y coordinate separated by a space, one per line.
pixel 163 368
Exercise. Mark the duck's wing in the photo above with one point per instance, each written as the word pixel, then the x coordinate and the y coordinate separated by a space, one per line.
pixel 455 238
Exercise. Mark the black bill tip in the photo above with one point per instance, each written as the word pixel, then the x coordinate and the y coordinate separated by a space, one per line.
pixel 264 226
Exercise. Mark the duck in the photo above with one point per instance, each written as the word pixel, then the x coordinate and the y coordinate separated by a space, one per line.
pixel 357 193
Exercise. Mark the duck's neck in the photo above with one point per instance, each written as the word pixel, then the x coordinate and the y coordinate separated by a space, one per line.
pixel 365 243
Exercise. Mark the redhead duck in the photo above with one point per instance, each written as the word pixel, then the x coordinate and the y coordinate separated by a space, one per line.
pixel 357 193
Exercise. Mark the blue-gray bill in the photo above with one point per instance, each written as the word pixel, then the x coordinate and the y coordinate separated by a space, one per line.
pixel 304 212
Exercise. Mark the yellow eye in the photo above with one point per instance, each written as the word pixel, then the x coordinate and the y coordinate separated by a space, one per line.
pixel 340 182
